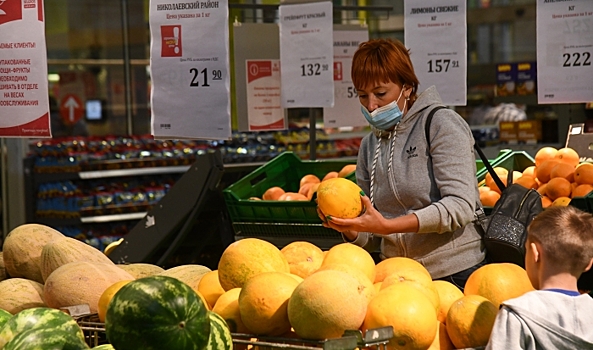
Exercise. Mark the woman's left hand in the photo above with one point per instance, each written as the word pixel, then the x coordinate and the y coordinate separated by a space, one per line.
pixel 369 221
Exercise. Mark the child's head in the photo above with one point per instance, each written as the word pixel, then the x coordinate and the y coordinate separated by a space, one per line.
pixel 564 237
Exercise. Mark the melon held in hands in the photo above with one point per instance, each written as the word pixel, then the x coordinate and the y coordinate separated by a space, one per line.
pixel 340 198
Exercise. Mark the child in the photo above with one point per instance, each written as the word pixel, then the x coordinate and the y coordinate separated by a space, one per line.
pixel 559 248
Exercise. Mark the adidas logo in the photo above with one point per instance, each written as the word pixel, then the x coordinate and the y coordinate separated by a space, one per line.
pixel 411 152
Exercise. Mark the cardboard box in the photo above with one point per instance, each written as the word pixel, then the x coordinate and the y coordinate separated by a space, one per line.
pixel 526 78
pixel 508 132
pixel 529 131
pixel 506 77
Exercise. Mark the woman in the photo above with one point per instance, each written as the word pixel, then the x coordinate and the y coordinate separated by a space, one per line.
pixel 421 201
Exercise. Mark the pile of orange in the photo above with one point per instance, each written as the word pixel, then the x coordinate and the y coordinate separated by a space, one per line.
pixel 558 175
pixel 308 185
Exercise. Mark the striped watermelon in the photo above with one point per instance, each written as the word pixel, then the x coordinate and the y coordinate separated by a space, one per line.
pixel 220 334
pixel 157 312
pixel 4 317
pixel 46 339
pixel 37 318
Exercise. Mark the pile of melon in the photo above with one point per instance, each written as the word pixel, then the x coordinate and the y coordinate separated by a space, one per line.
pixel 308 186
pixel 558 175
pixel 302 292
pixel 43 272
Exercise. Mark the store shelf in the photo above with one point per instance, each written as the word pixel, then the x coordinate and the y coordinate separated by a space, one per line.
pixel 110 218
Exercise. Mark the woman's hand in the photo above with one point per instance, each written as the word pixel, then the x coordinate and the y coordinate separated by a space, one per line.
pixel 369 221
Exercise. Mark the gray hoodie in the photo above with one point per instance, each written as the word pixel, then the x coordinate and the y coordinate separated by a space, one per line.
pixel 544 320
pixel 439 186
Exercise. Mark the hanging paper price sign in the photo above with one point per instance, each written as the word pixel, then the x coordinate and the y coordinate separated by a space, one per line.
pixel 263 95
pixel 306 55
pixel 564 51
pixel 24 98
pixel 437 39
pixel 189 64
pixel 346 109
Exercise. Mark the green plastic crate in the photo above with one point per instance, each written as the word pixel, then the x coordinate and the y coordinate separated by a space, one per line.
pixel 259 218
pixel 480 164
pixel 515 160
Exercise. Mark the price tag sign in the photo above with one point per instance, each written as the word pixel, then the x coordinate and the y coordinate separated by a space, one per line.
pixel 564 51
pixel 437 38
pixel 263 95
pixel 306 55
pixel 24 98
pixel 189 64
pixel 346 109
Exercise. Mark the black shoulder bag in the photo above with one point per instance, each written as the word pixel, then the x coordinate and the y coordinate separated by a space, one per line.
pixel 505 229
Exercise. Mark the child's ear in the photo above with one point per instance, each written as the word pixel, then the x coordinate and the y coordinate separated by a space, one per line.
pixel 589 266
pixel 535 252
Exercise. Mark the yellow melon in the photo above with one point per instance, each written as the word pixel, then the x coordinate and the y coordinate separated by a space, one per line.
pixel 22 250
pixel 417 279
pixel 227 307
pixel 190 274
pixel 498 282
pixel 139 270
pixel 210 288
pixel 326 304
pixel 470 321
pixel 442 340
pixel 409 312
pixel 3 274
pixel 81 282
pixel 246 258
pixel 263 303
pixel 448 294
pixel 391 265
pixel 340 198
pixel 353 255
pixel 106 297
pixel 369 289
pixel 17 294
pixel 303 257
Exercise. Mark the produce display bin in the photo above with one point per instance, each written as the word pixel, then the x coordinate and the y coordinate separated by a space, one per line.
pixel 266 218
pixel 515 160
pixel 93 329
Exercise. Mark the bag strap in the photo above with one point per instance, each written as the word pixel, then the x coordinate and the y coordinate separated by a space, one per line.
pixel 427 124
pixel 488 166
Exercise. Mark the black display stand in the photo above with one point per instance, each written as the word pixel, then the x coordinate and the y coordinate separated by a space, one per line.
pixel 189 225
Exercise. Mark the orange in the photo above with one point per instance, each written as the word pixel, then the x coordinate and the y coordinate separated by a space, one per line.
pixel 568 155
pixel 441 340
pixel 502 174
pixel 303 257
pixel 581 190
pixel 246 258
pixel 312 191
pixel 489 198
pixel 304 189
pixel 395 264
pixel 498 282
pixel 448 294
pixel 417 279
pixel 584 174
pixel 561 202
pixel 330 175
pixel 546 201
pixel 470 321
pixel 346 170
pixel 563 170
pixel 529 171
pixel 527 182
pixel 353 255
pixel 541 189
pixel 106 297
pixel 545 168
pixel 210 288
pixel 483 189
pixel 227 307
pixel 292 196
pixel 410 313
pixel 545 153
pixel 272 193
pixel 339 198
pixel 558 187
pixel 263 303
pixel 309 178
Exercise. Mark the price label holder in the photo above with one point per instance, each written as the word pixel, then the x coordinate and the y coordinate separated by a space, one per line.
pixel 436 36
pixel 564 51
pixel 306 55
pixel 24 98
pixel 189 64
pixel 346 109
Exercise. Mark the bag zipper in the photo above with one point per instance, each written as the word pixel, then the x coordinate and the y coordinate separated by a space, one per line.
pixel 523 202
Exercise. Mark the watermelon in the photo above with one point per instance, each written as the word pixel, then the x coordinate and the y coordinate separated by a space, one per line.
pixel 37 318
pixel 46 339
pixel 220 334
pixel 4 317
pixel 104 347
pixel 157 312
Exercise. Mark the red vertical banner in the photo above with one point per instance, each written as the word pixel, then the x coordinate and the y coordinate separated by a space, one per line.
pixel 24 97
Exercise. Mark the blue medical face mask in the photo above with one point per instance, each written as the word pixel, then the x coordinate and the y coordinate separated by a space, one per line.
pixel 386 117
